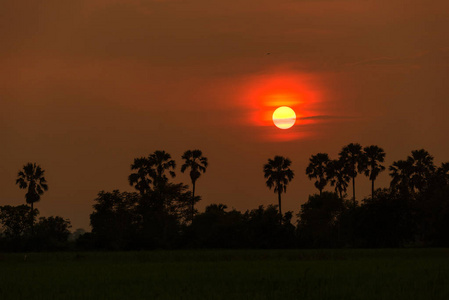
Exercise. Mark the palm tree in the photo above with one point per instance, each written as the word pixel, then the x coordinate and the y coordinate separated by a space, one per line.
pixel 161 161
pixel 413 174
pixel 443 172
pixel 197 163
pixel 278 174
pixel 423 168
pixel 352 158
pixel 32 177
pixel 141 179
pixel 151 170
pixel 338 176
pixel 400 172
pixel 374 155
pixel 317 168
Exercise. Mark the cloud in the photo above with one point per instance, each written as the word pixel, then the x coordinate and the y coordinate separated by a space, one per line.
pixel 327 117
pixel 437 56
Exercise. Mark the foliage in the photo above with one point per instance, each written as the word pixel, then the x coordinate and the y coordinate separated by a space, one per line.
pixel 372 159
pixel 114 220
pixel 352 158
pixel 278 174
pixel 338 177
pixel 15 220
pixel 51 233
pixel 151 171
pixel 318 220
pixel 197 163
pixel 318 168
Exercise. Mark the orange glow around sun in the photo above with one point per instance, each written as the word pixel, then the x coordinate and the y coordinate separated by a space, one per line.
pixel 264 94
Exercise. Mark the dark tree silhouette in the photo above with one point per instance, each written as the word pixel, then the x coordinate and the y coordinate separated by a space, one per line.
pixel 318 220
pixel 32 177
pixel 143 178
pixel 414 173
pixel 422 169
pixel 151 171
pixel 338 176
pixel 317 168
pixel 114 220
pixel 374 155
pixel 162 162
pixel 278 174
pixel 15 220
pixel 400 172
pixel 352 158
pixel 443 172
pixel 197 163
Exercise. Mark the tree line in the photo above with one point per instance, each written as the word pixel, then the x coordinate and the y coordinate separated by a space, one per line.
pixel 412 211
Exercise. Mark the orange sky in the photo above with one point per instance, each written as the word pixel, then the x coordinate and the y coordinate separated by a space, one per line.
pixel 86 86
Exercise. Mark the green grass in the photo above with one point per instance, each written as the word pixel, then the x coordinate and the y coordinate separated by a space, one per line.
pixel 228 274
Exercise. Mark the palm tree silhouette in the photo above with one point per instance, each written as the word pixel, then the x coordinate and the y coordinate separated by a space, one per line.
pixel 374 155
pixel 278 174
pixel 142 179
pixel 317 168
pixel 161 161
pixel 352 158
pixel 422 167
pixel 197 163
pixel 151 170
pixel 414 173
pixel 400 172
pixel 338 176
pixel 32 177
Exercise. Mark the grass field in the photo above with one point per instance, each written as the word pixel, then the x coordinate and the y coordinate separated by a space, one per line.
pixel 228 274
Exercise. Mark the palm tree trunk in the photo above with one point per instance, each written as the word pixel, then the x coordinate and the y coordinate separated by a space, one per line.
pixel 193 199
pixel 280 208
pixel 32 217
pixel 320 192
pixel 353 190
pixel 372 189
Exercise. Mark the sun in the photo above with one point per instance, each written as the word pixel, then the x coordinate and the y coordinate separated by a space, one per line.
pixel 284 117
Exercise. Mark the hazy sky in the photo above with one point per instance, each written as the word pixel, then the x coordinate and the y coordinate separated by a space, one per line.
pixel 87 86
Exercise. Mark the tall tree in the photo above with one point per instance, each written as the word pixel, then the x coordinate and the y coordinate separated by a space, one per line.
pixel 197 163
pixel 151 170
pixel 278 174
pixel 338 176
pixel 374 155
pixel 143 178
pixel 423 168
pixel 317 168
pixel 400 172
pixel 31 177
pixel 413 174
pixel 352 158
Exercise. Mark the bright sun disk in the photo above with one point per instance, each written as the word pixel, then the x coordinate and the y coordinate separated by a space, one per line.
pixel 284 117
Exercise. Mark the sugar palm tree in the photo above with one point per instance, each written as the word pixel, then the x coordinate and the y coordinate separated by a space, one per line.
pixel 151 171
pixel 352 158
pixel 414 173
pixel 278 174
pixel 161 162
pixel 374 155
pixel 317 168
pixel 338 176
pixel 400 172
pixel 31 177
pixel 141 179
pixel 423 168
pixel 197 163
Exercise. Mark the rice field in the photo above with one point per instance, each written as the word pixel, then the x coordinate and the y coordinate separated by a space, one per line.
pixel 227 274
